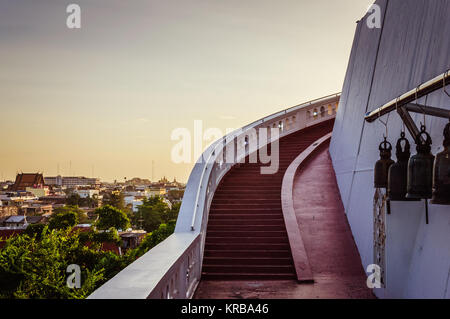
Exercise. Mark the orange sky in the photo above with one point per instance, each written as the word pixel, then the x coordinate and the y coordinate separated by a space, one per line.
pixel 106 97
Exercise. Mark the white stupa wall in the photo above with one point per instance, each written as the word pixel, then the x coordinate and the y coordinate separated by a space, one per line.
pixel 412 47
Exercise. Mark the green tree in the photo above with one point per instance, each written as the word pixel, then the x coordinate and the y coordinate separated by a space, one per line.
pixel 154 238
pixel 109 236
pixel 76 200
pixel 175 195
pixel 172 214
pixel 115 199
pixel 154 212
pixel 36 268
pixel 73 200
pixel 64 218
pixel 35 230
pixel 82 215
pixel 109 216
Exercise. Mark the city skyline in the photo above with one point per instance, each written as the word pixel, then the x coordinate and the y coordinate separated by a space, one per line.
pixel 118 179
pixel 109 94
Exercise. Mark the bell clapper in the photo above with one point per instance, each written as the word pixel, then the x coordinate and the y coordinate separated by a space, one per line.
pixel 426 211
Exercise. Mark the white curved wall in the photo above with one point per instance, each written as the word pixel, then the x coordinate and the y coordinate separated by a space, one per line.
pixel 412 47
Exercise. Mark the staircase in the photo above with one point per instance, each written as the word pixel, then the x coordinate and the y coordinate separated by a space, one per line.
pixel 246 236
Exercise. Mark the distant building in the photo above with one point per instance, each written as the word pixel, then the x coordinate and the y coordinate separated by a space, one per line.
pixel 156 192
pixel 24 181
pixel 136 203
pixel 53 199
pixel 7 208
pixel 34 208
pixel 132 239
pixel 38 191
pixel 87 193
pixel 138 181
pixel 22 220
pixel 53 181
pixel 71 181
pixel 163 180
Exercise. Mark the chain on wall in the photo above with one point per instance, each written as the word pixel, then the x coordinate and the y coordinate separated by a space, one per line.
pixel 379 232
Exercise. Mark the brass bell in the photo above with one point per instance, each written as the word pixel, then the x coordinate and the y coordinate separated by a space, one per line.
pixel 420 168
pixel 441 172
pixel 383 164
pixel 398 172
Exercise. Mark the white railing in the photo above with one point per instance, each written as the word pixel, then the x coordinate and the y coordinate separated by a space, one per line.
pixel 173 268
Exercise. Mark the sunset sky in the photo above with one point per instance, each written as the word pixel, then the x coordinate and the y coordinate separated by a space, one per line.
pixel 106 97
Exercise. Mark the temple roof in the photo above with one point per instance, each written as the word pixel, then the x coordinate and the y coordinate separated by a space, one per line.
pixel 25 180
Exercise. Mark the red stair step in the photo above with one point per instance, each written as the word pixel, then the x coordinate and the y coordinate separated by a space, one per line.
pixel 247 240
pixel 248 253
pixel 243 246
pixel 256 269
pixel 248 276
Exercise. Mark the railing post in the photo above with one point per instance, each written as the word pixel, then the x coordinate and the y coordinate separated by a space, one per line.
pixel 301 118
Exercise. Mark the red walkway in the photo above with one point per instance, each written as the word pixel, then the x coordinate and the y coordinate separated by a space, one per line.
pixel 243 269
pixel 246 235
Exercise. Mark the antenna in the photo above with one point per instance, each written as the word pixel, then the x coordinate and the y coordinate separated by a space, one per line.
pixel 153 171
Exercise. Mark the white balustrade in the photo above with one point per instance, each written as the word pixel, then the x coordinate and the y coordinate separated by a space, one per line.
pixel 173 268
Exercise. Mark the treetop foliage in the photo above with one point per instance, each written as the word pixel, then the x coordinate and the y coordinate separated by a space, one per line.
pixel 109 216
pixel 34 264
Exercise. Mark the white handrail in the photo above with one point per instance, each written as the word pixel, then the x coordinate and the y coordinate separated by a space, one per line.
pixel 198 191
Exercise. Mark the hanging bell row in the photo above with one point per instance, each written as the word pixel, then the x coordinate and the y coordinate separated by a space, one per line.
pixel 420 177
